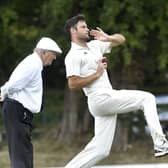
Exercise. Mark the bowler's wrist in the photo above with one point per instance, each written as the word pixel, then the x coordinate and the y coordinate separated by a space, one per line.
pixel 97 75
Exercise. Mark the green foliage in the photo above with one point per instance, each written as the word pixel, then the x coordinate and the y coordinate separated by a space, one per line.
pixel 7 16
pixel 129 18
pixel 53 109
pixel 143 23
pixel 139 61
pixel 16 38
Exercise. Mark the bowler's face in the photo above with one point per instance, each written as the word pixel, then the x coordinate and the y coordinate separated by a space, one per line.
pixel 82 30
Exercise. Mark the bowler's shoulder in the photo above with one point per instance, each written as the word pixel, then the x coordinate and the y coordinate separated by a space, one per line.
pixel 72 53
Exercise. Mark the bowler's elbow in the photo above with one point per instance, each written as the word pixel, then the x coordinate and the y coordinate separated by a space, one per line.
pixel 122 39
pixel 73 85
pixel 118 39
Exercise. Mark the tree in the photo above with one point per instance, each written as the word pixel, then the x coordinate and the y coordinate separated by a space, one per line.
pixel 76 118
pixel 18 33
pixel 134 65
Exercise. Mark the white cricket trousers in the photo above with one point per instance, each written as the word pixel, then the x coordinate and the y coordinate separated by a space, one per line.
pixel 105 106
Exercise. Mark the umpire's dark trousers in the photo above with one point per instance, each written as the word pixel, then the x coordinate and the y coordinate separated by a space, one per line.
pixel 18 124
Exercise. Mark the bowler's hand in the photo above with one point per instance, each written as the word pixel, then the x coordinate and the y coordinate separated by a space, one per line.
pixel 102 64
pixel 99 34
pixel 115 39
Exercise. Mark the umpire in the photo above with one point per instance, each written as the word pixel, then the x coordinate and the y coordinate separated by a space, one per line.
pixel 22 97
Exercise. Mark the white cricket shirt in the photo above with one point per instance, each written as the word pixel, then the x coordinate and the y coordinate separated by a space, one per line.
pixel 25 83
pixel 83 61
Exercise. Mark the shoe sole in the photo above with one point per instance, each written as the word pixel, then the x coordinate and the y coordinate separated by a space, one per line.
pixel 161 154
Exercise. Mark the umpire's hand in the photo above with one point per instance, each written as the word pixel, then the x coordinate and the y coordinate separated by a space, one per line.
pixel 1 99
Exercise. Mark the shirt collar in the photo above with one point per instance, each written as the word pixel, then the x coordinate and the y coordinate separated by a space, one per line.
pixel 78 47
pixel 39 60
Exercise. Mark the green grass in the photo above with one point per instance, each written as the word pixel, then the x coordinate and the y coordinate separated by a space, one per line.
pixel 49 153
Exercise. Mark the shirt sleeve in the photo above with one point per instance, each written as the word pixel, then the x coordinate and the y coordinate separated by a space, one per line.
pixel 21 76
pixel 105 47
pixel 4 91
pixel 72 64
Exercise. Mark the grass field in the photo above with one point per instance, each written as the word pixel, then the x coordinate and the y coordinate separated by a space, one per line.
pixel 48 153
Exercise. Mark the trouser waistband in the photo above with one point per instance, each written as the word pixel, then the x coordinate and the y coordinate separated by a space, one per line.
pixel 28 112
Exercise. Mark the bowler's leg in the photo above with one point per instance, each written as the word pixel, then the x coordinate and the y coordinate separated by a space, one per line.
pixel 99 147
pixel 124 101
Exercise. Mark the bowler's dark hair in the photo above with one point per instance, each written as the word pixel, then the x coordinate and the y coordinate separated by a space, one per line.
pixel 72 22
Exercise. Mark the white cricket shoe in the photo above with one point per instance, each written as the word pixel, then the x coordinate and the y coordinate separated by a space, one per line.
pixel 161 150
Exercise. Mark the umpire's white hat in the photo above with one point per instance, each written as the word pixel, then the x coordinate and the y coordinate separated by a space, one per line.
pixel 47 43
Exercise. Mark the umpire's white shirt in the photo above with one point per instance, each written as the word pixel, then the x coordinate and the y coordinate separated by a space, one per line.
pixel 83 61
pixel 25 83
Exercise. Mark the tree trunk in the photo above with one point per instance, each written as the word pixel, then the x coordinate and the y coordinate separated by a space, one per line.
pixel 128 77
pixel 121 136
pixel 76 118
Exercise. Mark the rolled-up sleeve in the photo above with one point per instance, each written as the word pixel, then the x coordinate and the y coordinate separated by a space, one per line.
pixel 104 47
pixel 72 63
